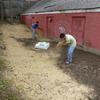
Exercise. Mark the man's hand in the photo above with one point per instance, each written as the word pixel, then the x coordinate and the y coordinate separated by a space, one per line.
pixel 61 43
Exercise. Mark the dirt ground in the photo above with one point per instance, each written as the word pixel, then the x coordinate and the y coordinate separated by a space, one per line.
pixel 43 74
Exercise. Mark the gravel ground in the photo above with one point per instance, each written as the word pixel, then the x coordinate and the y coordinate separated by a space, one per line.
pixel 43 75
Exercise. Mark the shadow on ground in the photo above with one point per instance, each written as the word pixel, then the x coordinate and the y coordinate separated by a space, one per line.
pixel 29 43
pixel 85 69
pixel 25 41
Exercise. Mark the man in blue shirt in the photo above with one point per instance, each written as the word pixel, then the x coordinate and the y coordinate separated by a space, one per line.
pixel 34 27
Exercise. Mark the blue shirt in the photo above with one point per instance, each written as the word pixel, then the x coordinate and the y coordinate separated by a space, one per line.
pixel 35 26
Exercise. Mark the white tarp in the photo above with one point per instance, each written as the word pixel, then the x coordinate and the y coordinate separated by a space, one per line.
pixel 42 45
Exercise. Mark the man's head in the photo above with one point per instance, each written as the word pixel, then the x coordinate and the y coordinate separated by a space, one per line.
pixel 37 22
pixel 62 35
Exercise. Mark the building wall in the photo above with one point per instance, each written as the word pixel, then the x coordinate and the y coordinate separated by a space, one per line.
pixel 84 26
